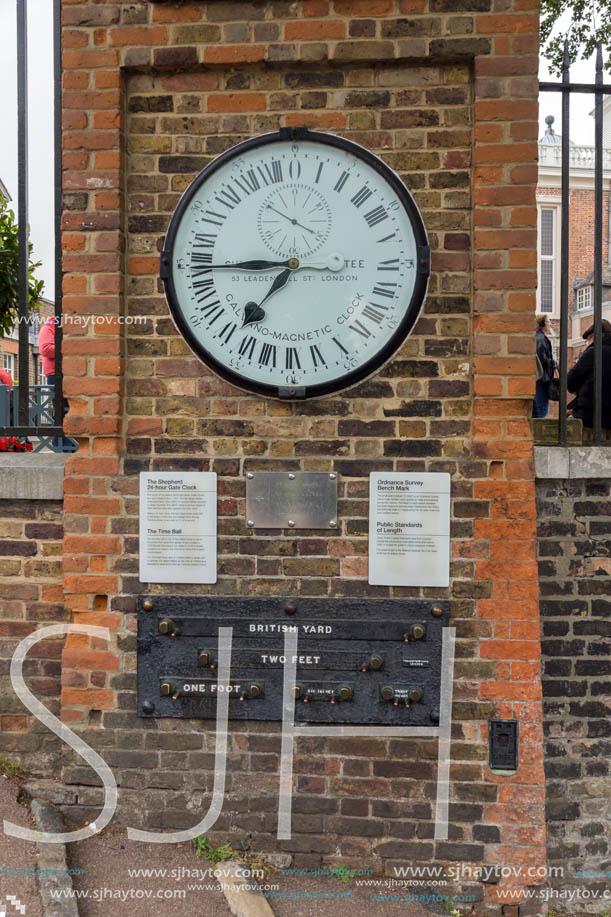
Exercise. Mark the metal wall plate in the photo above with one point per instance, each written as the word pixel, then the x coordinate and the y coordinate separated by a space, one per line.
pixel 357 660
pixel 294 499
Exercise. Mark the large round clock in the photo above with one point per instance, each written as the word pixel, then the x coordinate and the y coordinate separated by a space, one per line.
pixel 295 264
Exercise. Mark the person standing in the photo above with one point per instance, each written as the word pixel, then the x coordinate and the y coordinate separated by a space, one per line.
pixel 6 378
pixel 546 367
pixel 46 346
pixel 580 379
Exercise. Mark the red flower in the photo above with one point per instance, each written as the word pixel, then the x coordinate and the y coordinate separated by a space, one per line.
pixel 13 444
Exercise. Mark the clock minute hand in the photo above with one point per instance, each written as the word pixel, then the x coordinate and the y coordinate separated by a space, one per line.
pixel 253 311
pixel 257 265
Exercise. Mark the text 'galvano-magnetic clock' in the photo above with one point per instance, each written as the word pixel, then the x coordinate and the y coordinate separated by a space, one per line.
pixel 295 264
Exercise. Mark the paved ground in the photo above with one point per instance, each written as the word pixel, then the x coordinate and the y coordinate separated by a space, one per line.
pixel 109 859
pixel 17 855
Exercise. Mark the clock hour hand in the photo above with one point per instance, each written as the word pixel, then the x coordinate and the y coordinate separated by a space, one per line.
pixel 253 311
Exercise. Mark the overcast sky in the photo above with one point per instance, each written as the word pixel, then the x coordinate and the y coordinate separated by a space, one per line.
pixel 41 125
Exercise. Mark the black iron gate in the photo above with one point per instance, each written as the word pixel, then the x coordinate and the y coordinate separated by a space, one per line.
pixel 599 90
pixel 36 411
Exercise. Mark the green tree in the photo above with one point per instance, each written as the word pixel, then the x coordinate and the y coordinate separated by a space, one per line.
pixel 590 23
pixel 9 270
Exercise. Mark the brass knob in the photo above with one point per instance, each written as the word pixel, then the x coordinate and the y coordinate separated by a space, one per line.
pixel 387 692
pixel 418 631
pixel 364 667
pixel 166 626
pixel 147 605
pixel 297 691
pixel 437 611
pixel 254 690
pixel 345 693
pixel 406 638
pixel 166 688
pixel 415 694
pixel 205 658
pixel 376 662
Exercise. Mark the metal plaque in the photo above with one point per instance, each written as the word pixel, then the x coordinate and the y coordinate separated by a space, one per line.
pixel 357 660
pixel 293 499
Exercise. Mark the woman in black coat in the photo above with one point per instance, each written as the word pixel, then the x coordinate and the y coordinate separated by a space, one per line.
pixel 548 366
pixel 581 379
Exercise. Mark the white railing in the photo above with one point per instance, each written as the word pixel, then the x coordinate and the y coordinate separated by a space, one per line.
pixel 580 157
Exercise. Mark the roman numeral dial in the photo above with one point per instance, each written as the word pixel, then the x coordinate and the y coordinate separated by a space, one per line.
pixel 295 264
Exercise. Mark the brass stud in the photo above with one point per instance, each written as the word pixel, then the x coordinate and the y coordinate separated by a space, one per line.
pixel 437 611
pixel 297 691
pixel 387 692
pixel 291 607
pixel 166 688
pixel 415 694
pixel 254 690
pixel 418 631
pixel 376 662
pixel 147 605
pixel 166 626
pixel 345 693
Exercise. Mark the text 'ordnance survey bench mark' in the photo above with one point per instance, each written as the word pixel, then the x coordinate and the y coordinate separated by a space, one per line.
pixel 178 527
pixel 409 529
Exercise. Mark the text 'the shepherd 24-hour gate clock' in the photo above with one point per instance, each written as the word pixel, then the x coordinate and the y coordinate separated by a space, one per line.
pixel 296 264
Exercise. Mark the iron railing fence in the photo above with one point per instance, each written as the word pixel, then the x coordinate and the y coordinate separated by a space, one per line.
pixel 27 419
pixel 599 90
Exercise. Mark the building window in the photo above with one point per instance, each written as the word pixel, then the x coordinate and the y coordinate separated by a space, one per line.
pixel 8 363
pixel 584 298
pixel 547 260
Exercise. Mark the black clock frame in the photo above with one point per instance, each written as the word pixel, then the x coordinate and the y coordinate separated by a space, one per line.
pixel 371 366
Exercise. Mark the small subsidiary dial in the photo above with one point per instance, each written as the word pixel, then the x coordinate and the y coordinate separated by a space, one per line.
pixel 294 220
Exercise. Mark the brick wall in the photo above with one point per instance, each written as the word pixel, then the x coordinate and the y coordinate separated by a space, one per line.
pixel 574 527
pixel 448 98
pixel 30 596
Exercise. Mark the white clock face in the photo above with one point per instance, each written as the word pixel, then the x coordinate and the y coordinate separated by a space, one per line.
pixel 295 267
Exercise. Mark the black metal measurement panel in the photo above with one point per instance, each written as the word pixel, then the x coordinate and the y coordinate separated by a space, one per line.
pixel 357 660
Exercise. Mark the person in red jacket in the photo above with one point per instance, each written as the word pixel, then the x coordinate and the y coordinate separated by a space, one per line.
pixel 6 378
pixel 46 346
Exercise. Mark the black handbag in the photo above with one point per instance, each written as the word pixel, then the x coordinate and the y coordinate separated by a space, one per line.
pixel 553 392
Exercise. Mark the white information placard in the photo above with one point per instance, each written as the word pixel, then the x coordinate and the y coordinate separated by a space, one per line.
pixel 409 529
pixel 178 527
